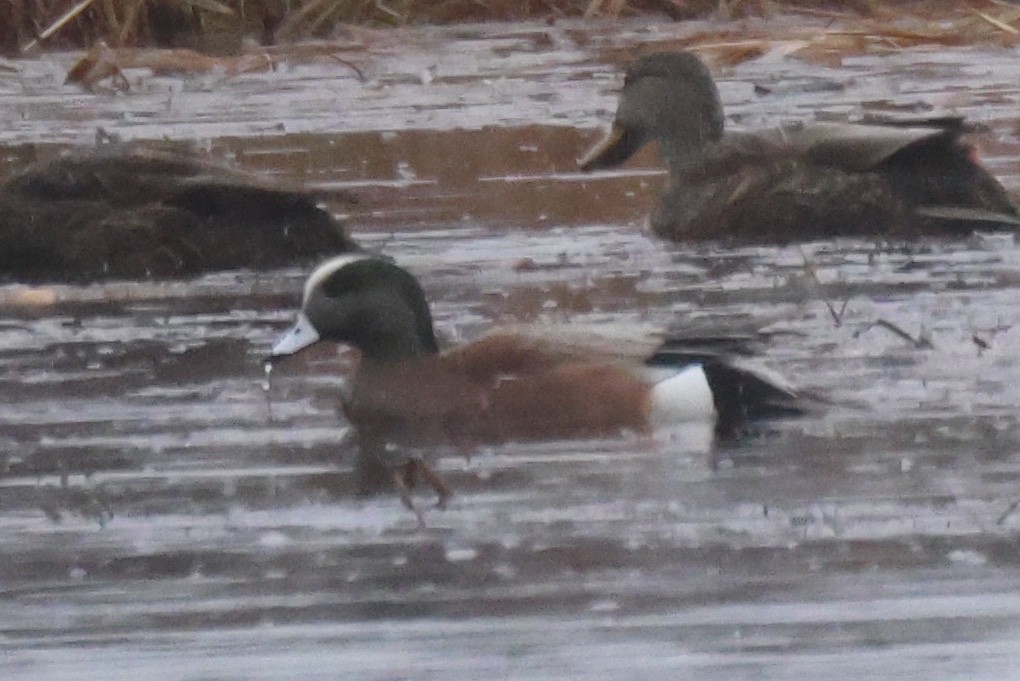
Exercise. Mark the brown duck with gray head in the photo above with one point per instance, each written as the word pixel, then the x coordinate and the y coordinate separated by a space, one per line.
pixel 807 182
pixel 121 211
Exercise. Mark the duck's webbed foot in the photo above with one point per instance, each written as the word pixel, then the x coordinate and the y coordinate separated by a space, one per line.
pixel 405 477
pixel 400 481
pixel 437 483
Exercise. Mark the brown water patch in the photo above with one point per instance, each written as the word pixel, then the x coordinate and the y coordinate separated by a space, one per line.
pixel 518 177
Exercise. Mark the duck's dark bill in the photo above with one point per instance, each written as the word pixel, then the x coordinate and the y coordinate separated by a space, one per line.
pixel 613 149
pixel 297 338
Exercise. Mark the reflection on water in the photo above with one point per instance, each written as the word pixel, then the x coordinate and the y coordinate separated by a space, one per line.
pixel 155 499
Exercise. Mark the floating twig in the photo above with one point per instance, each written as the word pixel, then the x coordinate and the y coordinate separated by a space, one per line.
pixel 837 316
pixel 1007 513
pixel 921 342
pixel 351 65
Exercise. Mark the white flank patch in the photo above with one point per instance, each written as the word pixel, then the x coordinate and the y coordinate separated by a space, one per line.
pixel 681 397
pixel 690 438
pixel 323 271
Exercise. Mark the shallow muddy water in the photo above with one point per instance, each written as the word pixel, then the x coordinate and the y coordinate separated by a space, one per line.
pixel 163 517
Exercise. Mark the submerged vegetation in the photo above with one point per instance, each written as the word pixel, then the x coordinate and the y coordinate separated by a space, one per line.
pixel 221 26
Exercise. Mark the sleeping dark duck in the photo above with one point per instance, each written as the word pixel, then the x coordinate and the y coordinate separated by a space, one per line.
pixel 897 180
pixel 123 211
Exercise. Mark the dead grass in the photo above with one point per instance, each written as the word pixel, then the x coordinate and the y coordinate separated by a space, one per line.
pixel 219 26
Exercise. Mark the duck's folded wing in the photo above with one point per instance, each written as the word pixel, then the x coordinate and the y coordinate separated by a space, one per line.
pixel 131 174
pixel 517 347
pixel 856 147
pixel 626 341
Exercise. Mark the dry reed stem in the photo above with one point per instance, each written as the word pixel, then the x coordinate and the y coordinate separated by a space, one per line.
pixel 102 62
pixel 61 22
pixel 867 24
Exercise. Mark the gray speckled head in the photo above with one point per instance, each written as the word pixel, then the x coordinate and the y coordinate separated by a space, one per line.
pixel 668 97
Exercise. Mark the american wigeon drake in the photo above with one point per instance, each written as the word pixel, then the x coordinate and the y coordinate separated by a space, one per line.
pixel 406 395
pixel 900 179
pixel 121 211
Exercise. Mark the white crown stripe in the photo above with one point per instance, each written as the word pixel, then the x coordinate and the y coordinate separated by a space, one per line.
pixel 326 269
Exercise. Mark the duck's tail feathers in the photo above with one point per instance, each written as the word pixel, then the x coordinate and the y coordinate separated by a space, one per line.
pixel 951 122
pixel 970 219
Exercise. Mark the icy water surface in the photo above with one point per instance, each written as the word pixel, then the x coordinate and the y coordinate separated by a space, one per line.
pixel 163 517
